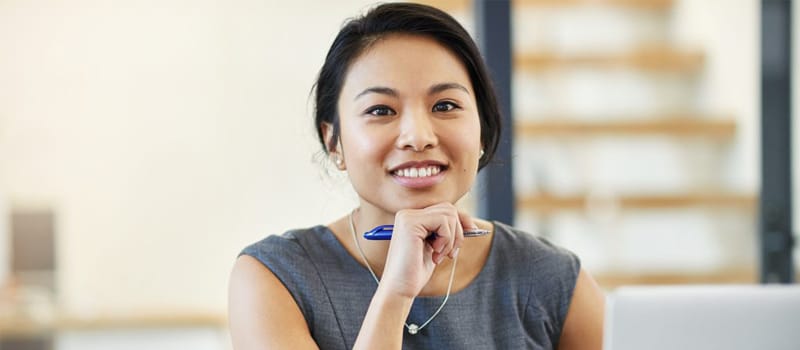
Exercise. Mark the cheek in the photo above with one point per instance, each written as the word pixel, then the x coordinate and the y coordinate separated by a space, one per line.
pixel 470 137
pixel 363 147
pixel 465 147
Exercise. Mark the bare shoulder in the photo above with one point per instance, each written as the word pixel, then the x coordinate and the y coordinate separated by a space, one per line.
pixel 262 312
pixel 583 328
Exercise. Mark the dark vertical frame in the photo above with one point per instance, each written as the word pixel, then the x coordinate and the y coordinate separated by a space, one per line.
pixel 775 206
pixel 493 31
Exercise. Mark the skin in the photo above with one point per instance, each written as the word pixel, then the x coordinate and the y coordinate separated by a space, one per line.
pixel 404 99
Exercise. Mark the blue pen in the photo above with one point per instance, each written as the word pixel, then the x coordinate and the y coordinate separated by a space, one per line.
pixel 384 232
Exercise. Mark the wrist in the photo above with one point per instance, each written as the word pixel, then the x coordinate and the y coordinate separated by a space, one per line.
pixel 386 294
pixel 384 321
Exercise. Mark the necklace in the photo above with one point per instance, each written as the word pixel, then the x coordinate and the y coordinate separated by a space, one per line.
pixel 412 328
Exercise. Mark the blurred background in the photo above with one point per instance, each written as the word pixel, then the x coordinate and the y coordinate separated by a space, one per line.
pixel 143 144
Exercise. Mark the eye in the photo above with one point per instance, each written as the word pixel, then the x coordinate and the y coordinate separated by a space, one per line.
pixel 445 106
pixel 380 111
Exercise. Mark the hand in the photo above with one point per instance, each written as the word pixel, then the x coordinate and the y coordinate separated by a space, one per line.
pixel 414 251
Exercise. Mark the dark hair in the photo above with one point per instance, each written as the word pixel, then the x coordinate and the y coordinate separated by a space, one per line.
pixel 404 18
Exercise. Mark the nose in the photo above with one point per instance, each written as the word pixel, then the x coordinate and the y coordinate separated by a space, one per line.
pixel 417 132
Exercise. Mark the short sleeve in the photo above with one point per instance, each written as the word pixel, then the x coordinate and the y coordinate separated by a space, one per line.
pixel 285 257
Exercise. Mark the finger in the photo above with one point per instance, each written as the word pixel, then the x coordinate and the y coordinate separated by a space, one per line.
pixel 454 236
pixel 466 222
pixel 449 232
pixel 458 240
pixel 421 226
pixel 443 234
pixel 456 231
pixel 429 256
pixel 445 239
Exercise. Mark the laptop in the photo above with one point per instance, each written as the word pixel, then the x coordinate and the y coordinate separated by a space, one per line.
pixel 741 317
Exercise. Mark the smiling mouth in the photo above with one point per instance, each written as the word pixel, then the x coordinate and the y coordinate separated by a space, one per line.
pixel 419 172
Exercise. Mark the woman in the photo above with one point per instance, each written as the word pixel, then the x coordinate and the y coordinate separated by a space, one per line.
pixel 405 106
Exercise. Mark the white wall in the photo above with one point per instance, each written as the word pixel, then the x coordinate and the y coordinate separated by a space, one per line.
pixel 167 135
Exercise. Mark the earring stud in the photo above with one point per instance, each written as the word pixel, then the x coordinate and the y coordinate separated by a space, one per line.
pixel 338 161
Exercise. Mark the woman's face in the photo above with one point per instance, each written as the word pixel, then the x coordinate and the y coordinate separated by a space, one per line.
pixel 410 130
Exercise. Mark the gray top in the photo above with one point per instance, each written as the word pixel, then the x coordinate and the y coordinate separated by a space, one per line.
pixel 519 300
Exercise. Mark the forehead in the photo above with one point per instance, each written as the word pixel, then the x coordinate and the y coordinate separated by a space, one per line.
pixel 407 63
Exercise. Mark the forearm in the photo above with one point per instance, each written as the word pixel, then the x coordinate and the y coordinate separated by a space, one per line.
pixel 384 323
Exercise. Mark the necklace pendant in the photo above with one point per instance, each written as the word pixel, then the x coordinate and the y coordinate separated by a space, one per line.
pixel 413 329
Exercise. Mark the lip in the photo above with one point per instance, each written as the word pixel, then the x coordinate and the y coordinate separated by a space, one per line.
pixel 419 182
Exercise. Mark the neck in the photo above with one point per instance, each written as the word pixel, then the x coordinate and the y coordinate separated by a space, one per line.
pixel 366 217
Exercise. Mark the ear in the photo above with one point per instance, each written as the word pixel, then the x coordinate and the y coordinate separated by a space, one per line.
pixel 327 135
pixel 333 152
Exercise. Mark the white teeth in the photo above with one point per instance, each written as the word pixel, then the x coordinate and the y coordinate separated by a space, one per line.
pixel 418 172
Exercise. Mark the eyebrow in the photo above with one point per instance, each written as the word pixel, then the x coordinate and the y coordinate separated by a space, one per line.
pixel 378 90
pixel 446 86
pixel 435 89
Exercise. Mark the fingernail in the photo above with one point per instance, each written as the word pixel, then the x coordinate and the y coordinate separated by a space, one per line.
pixel 455 252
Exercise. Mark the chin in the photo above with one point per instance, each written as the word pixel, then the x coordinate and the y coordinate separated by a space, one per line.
pixel 422 201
